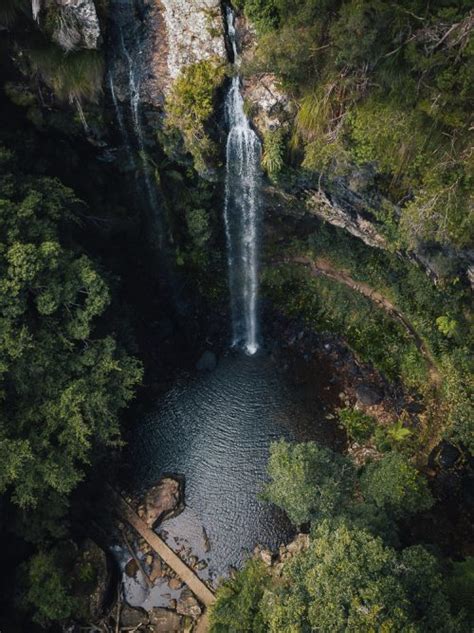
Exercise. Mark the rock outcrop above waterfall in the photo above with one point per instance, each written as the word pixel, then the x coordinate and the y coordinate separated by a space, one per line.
pixel 183 32
pixel 73 23
pixel 269 106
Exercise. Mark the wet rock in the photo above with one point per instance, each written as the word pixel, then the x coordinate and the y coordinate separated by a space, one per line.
pixel 188 604
pixel 267 557
pixel 163 501
pixel 131 568
pixel 299 544
pixel 175 584
pixel 207 362
pixel 156 570
pixel 368 395
pixel 131 618
pixel 164 621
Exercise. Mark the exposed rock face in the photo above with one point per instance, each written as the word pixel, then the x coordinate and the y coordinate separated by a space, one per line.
pixel 76 23
pixel 270 107
pixel 182 32
pixel 163 501
pixel 347 217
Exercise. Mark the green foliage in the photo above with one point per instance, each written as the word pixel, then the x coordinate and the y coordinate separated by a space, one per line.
pixel 273 152
pixel 198 227
pixel 386 84
pixel 263 13
pixel 358 425
pixel 73 75
pixel 326 305
pixel 457 390
pixel 190 105
pixel 62 383
pixel 347 580
pixel 460 586
pixel 49 586
pixel 307 481
pixel 396 486
pixel 237 607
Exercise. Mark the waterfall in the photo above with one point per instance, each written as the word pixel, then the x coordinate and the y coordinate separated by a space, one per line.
pixel 128 48
pixel 241 210
pixel 35 9
pixel 82 116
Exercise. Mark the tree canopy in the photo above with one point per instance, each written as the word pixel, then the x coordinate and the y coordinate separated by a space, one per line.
pixel 64 378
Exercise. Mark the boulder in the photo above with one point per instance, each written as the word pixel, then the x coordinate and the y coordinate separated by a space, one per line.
pixel 92 579
pixel 175 584
pixel 76 24
pixel 267 557
pixel 164 621
pixel 131 618
pixel 448 455
pixel 163 501
pixel 188 604
pixel 207 362
pixel 369 395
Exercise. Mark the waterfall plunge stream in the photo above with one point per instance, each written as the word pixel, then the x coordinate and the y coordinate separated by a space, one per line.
pixel 128 47
pixel 241 211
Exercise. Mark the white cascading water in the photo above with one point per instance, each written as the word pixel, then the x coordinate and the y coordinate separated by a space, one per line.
pixel 241 211
pixel 35 9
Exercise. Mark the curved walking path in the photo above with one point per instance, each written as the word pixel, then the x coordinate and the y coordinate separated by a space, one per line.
pixel 323 267
pixel 187 575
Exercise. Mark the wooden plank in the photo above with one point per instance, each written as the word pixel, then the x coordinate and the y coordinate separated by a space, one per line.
pixel 187 575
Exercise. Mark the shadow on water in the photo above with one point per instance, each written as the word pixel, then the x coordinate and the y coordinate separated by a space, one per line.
pixel 215 429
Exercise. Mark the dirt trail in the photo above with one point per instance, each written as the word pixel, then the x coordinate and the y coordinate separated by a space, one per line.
pixel 322 267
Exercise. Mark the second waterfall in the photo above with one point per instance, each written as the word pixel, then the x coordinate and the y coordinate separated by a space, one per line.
pixel 242 211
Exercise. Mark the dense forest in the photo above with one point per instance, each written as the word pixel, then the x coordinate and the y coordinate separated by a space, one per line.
pixel 114 256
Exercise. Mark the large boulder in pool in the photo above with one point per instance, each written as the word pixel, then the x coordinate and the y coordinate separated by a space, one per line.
pixel 164 500
pixel 207 362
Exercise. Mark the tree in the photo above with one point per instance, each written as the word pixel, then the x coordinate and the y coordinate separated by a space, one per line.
pixel 307 481
pixel 396 486
pixel 63 376
pixel 347 580
pixel 237 607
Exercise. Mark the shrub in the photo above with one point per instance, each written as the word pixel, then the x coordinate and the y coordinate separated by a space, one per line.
pixel 358 425
pixel 273 152
pixel 396 486
pixel 307 481
pixel 190 105
pixel 74 75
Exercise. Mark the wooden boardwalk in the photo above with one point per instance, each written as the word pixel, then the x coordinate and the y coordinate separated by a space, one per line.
pixel 187 575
